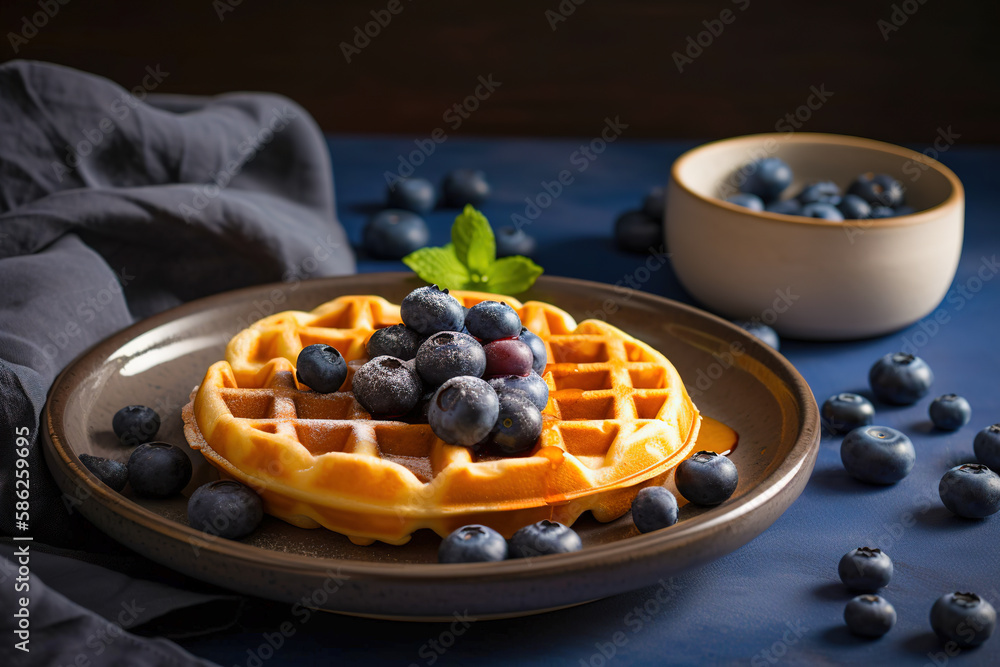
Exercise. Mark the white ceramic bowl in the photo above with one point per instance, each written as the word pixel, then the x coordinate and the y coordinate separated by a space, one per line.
pixel 811 278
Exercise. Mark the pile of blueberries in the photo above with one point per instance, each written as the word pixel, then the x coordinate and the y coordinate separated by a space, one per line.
pixel 472 374
pixel 869 197
pixel 160 470
pixel 399 229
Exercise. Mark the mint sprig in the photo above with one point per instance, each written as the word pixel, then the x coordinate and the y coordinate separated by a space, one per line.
pixel 469 262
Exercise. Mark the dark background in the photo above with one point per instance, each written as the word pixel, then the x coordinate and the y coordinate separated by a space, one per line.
pixel 940 68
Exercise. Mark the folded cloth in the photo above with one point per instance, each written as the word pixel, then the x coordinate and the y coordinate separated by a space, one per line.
pixel 114 207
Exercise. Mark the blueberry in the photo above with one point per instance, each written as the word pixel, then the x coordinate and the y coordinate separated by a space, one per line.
pixel 877 454
pixel 845 412
pixel 158 470
pixel 853 207
pixel 963 618
pixel 971 490
pixel 507 357
pixel 511 241
pixel 654 507
pixel 544 538
pixel 869 616
pixel 785 206
pixel 746 200
pixel 225 508
pixel 900 379
pixel 825 192
pixel 428 310
pixel 463 411
pixel 539 355
pixel 760 331
pixel 448 354
pixel 950 412
pixel 465 186
pixel 880 189
pixel 636 232
pixel 986 445
pixel 112 473
pixel 411 194
pixel 394 234
pixel 386 387
pixel 398 341
pixel 135 424
pixel 655 203
pixel 321 368
pixel 531 385
pixel 822 211
pixel 706 478
pixel 767 178
pixel 905 210
pixel 865 569
pixel 518 424
pixel 879 212
pixel 472 544
pixel 490 320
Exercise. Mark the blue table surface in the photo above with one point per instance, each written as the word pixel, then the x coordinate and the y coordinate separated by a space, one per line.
pixel 778 598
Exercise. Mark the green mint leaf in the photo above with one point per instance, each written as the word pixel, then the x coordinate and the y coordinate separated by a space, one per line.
pixel 473 239
pixel 439 266
pixel 511 275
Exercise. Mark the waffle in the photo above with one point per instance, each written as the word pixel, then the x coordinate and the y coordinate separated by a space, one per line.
pixel 618 418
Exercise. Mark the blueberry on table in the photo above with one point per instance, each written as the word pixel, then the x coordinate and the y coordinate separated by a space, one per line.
pixel 877 189
pixel 963 618
pixel 971 490
pixel 449 354
pixel 428 310
pixel 540 356
pixel 158 470
pixel 707 478
pixel 507 356
pixel 760 331
pixel 465 186
pixel 853 207
pixel 531 385
pixel 473 544
pixel 845 412
pixel 463 411
pixel 865 569
pixel 411 194
pixel 877 454
pixel 986 445
pixel 746 200
pixel 869 616
pixel 386 387
pixel 321 368
pixel 112 473
pixel 394 233
pixel 544 538
pixel 225 508
pixel 900 378
pixel 490 320
pixel 767 178
pixel 636 232
pixel 135 424
pixel 825 192
pixel 518 424
pixel 398 341
pixel 950 412
pixel 822 211
pixel 654 508
pixel 511 241
pixel 785 206
pixel 655 203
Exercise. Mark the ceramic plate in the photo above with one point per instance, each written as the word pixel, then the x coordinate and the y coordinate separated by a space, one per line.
pixel 731 376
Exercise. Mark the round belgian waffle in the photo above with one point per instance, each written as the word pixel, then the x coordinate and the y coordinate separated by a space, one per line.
pixel 618 418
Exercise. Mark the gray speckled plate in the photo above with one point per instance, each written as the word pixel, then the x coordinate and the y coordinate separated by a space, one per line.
pixel 731 375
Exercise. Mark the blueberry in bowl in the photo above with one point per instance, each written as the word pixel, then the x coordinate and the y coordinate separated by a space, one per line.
pixel 746 200
pixel 767 178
